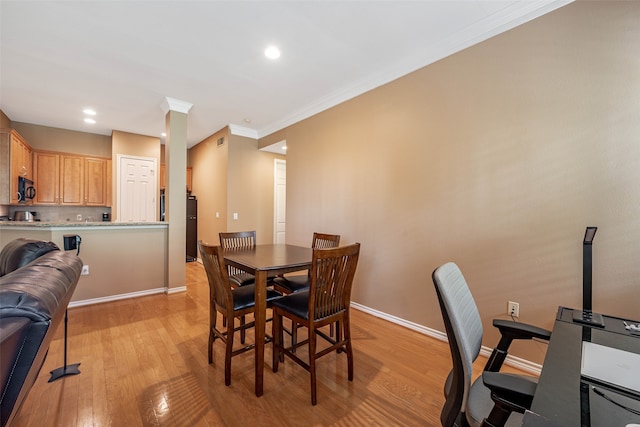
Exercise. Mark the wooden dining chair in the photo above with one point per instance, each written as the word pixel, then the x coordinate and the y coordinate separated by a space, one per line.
pixel 297 283
pixel 327 301
pixel 291 284
pixel 238 240
pixel 231 302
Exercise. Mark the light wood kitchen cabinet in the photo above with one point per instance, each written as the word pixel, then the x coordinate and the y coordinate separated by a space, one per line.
pixel 15 161
pixel 46 173
pixel 163 177
pixel 70 180
pixel 95 182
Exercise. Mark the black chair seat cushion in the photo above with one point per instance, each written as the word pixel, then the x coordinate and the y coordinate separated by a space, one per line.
pixel 244 297
pixel 242 279
pixel 293 284
pixel 296 303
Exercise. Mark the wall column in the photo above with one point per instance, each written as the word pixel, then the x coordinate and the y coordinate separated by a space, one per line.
pixel 175 159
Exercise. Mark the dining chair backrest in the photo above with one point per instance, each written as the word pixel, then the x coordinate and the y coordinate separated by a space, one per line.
pixel 214 266
pixel 324 241
pixel 238 240
pixel 332 272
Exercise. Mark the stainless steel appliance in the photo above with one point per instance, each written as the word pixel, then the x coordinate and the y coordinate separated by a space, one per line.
pixel 24 216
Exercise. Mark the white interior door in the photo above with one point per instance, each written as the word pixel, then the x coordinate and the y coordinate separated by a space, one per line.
pixel 280 200
pixel 136 189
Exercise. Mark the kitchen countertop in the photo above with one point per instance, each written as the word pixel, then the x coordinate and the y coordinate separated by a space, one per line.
pixel 37 224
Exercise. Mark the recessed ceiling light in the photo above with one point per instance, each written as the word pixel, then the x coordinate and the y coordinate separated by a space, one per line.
pixel 88 120
pixel 163 134
pixel 89 111
pixel 272 52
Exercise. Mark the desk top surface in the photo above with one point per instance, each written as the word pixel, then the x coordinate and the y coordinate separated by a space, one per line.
pixel 566 398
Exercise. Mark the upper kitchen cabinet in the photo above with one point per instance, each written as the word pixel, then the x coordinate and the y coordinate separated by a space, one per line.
pixel 95 182
pixel 70 180
pixel 15 161
pixel 47 178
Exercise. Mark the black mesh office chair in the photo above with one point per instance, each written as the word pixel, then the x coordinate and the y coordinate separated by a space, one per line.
pixel 492 398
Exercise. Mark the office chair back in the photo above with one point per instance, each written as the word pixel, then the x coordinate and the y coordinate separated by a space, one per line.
pixel 464 331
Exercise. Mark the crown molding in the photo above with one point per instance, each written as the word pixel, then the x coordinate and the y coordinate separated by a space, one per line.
pixel 504 20
pixel 172 104
pixel 243 131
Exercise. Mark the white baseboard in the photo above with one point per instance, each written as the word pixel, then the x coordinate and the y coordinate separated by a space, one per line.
pixel 118 297
pixel 513 361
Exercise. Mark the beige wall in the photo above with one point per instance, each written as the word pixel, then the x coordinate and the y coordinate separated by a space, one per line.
pixel 134 145
pixel 68 141
pixel 5 121
pixel 496 158
pixel 122 260
pixel 250 188
pixel 234 177
pixel 209 177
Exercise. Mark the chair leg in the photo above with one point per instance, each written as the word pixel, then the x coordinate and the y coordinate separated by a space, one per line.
pixel 242 331
pixel 312 365
pixel 278 335
pixel 294 335
pixel 211 339
pixel 228 351
pixel 213 319
pixel 349 349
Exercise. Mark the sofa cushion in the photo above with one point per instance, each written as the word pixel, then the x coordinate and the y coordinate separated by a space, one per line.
pixel 36 292
pixel 20 252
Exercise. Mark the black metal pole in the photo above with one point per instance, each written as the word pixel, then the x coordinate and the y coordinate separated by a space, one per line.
pixel 587 283
pixel 65 370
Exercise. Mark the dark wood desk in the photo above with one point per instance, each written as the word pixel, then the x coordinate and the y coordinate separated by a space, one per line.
pixel 264 261
pixel 564 397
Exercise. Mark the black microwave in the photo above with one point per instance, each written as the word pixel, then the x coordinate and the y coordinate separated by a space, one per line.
pixel 26 190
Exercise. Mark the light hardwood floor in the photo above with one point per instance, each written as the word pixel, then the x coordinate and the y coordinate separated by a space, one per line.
pixel 144 363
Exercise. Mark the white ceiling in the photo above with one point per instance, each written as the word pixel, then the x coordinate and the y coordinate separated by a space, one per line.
pixel 124 58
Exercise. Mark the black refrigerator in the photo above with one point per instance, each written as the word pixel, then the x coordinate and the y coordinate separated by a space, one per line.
pixel 192 228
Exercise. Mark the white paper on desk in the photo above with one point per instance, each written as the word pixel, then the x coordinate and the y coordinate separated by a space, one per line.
pixel 614 366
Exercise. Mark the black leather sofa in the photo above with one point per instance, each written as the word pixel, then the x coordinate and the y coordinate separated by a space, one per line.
pixel 37 281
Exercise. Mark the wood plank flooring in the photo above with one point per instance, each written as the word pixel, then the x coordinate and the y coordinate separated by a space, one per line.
pixel 144 363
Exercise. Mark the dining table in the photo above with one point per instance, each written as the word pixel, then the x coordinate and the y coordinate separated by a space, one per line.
pixel 264 261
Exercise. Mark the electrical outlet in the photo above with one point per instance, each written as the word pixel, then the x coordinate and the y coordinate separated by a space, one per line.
pixel 79 217
pixel 513 309
pixel 85 270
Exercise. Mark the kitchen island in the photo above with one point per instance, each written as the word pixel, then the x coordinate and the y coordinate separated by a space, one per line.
pixel 123 260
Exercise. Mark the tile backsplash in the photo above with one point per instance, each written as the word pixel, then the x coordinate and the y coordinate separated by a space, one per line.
pixel 61 213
